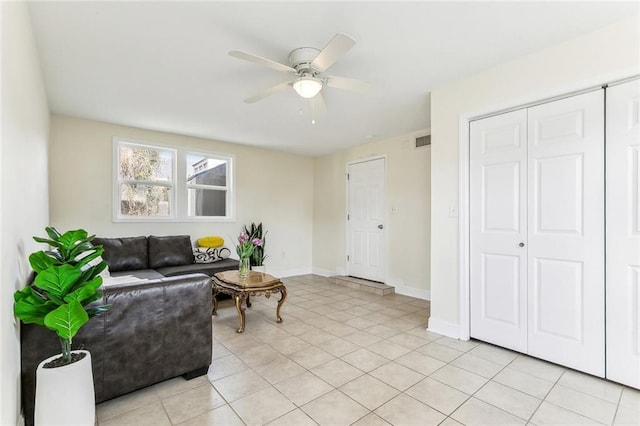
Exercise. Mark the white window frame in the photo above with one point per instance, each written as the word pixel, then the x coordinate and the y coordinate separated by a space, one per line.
pixel 178 196
pixel 230 193
pixel 117 215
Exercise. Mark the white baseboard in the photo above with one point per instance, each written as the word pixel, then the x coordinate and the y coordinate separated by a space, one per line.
pixel 413 292
pixel 322 272
pixel 289 272
pixel 443 327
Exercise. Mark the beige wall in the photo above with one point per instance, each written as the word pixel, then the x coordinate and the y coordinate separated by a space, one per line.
pixel 408 191
pixel 24 200
pixel 271 187
pixel 608 54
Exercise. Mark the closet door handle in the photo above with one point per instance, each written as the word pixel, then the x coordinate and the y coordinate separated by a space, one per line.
pixel 521 245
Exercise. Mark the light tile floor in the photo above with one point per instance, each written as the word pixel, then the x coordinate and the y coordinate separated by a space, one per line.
pixel 347 357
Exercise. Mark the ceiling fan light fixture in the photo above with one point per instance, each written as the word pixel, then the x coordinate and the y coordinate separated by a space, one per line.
pixel 307 87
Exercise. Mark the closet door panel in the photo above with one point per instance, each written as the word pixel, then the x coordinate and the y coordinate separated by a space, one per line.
pixel 566 232
pixel 559 194
pixel 623 233
pixel 498 225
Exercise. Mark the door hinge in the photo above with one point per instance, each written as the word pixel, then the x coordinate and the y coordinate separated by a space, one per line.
pixel 347 258
pixel 348 217
pixel 347 176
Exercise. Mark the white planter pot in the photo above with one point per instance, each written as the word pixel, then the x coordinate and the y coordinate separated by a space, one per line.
pixel 64 395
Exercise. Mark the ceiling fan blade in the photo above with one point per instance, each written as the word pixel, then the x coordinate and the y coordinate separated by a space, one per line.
pixel 268 92
pixel 350 84
pixel 337 46
pixel 261 61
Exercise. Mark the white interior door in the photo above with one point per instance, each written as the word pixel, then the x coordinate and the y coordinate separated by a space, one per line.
pixel 366 257
pixel 566 232
pixel 498 175
pixel 623 233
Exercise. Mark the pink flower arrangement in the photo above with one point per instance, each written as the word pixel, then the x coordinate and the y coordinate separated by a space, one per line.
pixel 245 246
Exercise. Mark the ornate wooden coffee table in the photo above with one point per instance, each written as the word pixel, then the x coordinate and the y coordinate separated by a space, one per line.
pixel 241 290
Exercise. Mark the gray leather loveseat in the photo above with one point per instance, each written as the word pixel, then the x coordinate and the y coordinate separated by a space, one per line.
pixel 156 257
pixel 159 325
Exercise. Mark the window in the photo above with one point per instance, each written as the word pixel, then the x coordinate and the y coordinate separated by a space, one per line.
pixel 159 183
pixel 145 181
pixel 207 188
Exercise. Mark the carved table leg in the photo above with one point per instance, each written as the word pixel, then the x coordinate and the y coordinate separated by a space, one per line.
pixel 238 299
pixel 248 300
pixel 283 293
pixel 215 302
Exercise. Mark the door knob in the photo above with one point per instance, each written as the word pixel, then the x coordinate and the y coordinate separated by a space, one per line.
pixel 380 226
pixel 521 245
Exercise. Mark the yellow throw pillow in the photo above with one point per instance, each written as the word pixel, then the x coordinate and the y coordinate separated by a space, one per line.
pixel 211 242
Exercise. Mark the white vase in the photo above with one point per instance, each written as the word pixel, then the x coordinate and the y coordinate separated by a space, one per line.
pixel 65 395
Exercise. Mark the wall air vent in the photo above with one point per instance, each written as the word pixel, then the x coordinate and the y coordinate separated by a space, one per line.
pixel 423 141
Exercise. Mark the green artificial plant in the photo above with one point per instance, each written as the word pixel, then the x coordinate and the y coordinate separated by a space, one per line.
pixel 255 232
pixel 67 281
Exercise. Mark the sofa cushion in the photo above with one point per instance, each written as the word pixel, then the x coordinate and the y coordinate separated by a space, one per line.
pixel 210 255
pixel 144 274
pixel 124 254
pixel 173 250
pixel 203 268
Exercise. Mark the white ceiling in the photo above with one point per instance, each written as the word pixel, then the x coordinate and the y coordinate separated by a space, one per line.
pixel 164 65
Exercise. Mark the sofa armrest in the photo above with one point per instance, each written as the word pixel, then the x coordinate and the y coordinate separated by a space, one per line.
pixel 158 329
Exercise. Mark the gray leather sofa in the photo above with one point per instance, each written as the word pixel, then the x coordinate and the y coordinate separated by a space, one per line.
pixel 156 257
pixel 157 328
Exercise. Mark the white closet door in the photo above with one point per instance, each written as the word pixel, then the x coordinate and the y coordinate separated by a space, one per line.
pixel 366 201
pixel 566 232
pixel 623 233
pixel 498 176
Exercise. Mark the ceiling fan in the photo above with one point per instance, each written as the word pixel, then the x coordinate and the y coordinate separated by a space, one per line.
pixel 307 65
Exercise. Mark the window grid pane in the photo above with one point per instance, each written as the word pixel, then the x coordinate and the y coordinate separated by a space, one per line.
pixel 140 163
pixel 145 200
pixel 203 170
pixel 207 202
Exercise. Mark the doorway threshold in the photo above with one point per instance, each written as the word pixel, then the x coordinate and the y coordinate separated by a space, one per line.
pixel 364 285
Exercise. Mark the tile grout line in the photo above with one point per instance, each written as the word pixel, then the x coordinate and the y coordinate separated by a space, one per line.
pixel 615 415
pixel 545 397
pixel 227 403
pixel 478 390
